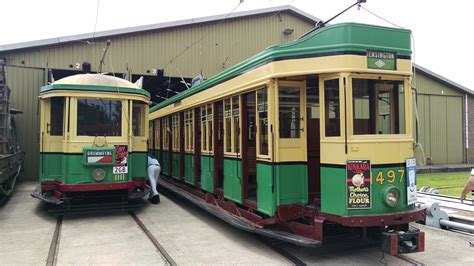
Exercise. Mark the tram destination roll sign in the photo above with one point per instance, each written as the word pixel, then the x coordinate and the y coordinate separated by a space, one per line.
pixel 359 194
pixel 381 60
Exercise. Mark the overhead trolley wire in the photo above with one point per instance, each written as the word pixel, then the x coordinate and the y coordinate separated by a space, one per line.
pixel 200 39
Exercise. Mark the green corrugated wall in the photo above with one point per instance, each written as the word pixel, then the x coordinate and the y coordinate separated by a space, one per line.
pixel 440 110
pixel 24 84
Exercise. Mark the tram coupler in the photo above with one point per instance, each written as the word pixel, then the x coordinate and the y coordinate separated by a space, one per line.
pixel 399 242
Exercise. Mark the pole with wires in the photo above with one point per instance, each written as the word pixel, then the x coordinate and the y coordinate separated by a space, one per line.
pixel 101 63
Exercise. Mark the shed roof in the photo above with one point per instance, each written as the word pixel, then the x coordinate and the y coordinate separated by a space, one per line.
pixel 442 79
pixel 157 26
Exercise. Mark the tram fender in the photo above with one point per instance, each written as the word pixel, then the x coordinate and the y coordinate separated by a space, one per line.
pixel 37 193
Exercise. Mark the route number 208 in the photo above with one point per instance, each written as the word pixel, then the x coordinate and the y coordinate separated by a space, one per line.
pixel 390 176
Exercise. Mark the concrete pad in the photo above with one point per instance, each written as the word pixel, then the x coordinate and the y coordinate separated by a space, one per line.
pixel 343 256
pixel 444 247
pixel 192 236
pixel 25 229
pixel 105 239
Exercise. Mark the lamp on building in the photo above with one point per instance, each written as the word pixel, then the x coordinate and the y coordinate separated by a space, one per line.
pixel 288 31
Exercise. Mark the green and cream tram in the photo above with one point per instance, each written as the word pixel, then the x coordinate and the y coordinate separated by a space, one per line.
pixel 303 141
pixel 93 139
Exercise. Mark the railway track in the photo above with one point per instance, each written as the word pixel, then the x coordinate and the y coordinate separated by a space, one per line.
pixel 409 260
pixel 152 238
pixel 54 247
pixel 277 246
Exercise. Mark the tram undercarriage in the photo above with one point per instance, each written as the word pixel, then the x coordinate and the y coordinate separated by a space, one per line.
pixel 306 226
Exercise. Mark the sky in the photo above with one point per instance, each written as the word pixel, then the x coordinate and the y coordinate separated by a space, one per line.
pixel 443 31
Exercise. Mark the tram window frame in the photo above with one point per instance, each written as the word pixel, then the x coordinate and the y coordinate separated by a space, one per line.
pixel 373 89
pixel 206 128
pixel 188 131
pixel 292 131
pixel 332 128
pixel 236 105
pixel 232 122
pixel 151 136
pixel 228 125
pixel 175 137
pixel 262 124
pixel 138 130
pixel 119 124
pixel 57 117
pixel 157 135
pixel 165 133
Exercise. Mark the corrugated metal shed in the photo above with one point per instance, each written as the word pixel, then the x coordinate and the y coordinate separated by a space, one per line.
pixel 219 44
pixel 207 45
pixel 440 110
pixel 23 83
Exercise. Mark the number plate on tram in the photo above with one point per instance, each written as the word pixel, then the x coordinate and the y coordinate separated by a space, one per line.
pixel 116 170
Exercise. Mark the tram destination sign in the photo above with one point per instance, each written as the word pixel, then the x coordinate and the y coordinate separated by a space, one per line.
pixel 359 194
pixel 94 155
pixel 381 60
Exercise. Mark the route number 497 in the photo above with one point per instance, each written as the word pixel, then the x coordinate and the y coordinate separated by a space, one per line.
pixel 390 176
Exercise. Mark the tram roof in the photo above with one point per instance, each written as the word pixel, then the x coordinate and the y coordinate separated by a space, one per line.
pixel 336 39
pixel 95 82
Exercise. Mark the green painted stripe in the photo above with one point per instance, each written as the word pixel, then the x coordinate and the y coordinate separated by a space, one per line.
pixel 95 88
pixel 339 38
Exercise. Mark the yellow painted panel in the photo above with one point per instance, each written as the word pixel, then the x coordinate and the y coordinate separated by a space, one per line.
pixel 261 75
pixel 377 151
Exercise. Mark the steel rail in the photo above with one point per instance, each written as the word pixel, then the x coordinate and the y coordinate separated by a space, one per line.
pixel 54 247
pixel 275 245
pixel 409 260
pixel 152 238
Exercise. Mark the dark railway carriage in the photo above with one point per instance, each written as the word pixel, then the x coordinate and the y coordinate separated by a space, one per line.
pixel 302 141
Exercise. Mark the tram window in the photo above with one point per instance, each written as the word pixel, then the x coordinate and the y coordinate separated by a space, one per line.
pixel 262 112
pixel 203 128
pixel 378 107
pixel 228 123
pixel 98 117
pixel 189 132
pixel 209 126
pixel 289 112
pixel 236 115
pixel 312 98
pixel 57 116
pixel 331 108
pixel 175 130
pixel 151 138
pixel 166 132
pixel 157 134
pixel 137 121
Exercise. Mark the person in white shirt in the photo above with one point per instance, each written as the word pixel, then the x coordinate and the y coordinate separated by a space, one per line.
pixel 469 187
pixel 154 170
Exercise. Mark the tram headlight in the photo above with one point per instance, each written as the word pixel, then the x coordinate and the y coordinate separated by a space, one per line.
pixel 392 196
pixel 98 174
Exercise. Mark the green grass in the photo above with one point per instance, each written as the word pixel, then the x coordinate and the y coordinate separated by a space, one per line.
pixel 450 184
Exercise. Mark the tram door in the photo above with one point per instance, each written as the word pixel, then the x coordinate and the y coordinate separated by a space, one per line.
pixel 313 137
pixel 219 145
pixel 249 147
pixel 197 147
